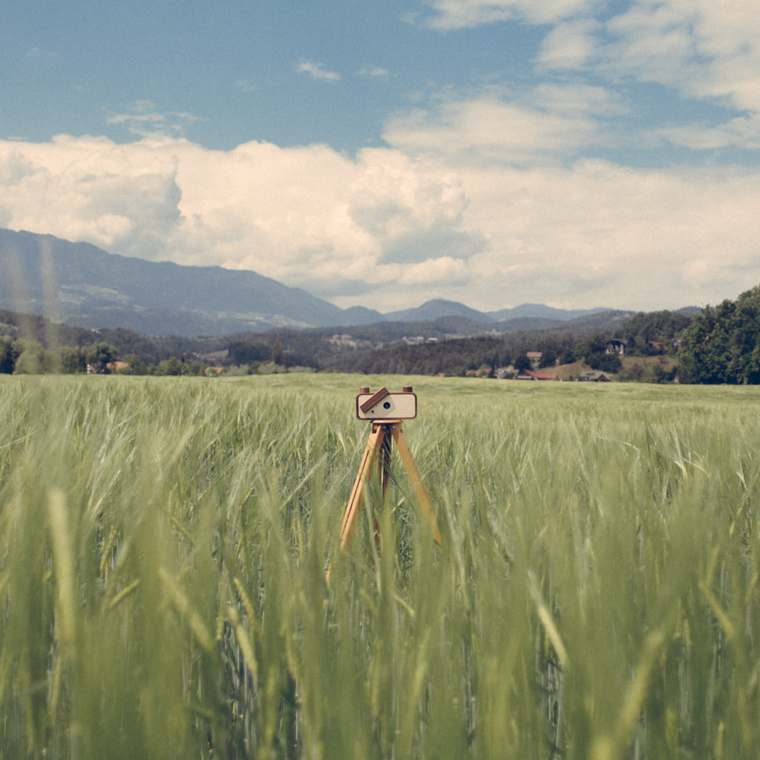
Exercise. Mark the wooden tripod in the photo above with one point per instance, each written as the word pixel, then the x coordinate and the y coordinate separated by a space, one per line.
pixel 379 447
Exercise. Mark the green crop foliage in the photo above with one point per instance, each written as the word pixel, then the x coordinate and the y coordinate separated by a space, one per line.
pixel 164 543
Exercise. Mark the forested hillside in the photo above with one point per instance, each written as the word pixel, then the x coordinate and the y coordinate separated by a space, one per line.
pixel 722 344
pixel 31 344
pixel 718 345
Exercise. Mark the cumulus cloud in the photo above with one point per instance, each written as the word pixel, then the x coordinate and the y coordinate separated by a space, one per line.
pixel 703 50
pixel 412 211
pixel 702 47
pixel 386 228
pixel 633 238
pixel 317 71
pixel 122 198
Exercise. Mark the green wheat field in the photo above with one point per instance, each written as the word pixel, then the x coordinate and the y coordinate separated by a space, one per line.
pixel 164 542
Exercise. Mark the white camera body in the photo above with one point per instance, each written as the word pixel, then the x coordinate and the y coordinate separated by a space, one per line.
pixel 384 405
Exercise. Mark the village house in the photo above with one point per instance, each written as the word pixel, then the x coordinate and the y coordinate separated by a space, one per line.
pixel 593 376
pixel 117 366
pixel 535 358
pixel 615 346
pixel 504 373
pixel 526 374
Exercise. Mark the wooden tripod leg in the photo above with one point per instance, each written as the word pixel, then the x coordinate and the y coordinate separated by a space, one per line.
pixel 416 477
pixel 374 445
pixel 384 471
pixel 384 460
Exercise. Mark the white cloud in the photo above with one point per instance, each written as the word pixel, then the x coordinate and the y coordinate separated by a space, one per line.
pixel 457 14
pixel 374 71
pixel 142 119
pixel 436 272
pixel 741 132
pixel 245 86
pixel 569 45
pixel 413 211
pixel 397 228
pixel 701 49
pixel 317 71
pixel 619 236
pixel 123 198
pixel 552 120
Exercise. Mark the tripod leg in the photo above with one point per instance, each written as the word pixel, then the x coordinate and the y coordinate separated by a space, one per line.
pixel 374 445
pixel 416 477
pixel 384 460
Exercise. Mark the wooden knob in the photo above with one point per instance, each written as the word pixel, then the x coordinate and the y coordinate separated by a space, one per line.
pixel 364 389
pixel 407 389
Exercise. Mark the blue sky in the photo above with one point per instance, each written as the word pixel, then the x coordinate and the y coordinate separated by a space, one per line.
pixel 234 67
pixel 573 152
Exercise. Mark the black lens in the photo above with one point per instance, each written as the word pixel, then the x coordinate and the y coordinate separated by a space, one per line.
pixel 387 405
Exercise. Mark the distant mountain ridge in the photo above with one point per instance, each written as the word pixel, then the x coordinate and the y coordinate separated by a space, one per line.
pixel 432 310
pixel 88 287
pixel 98 289
pixel 437 308
pixel 537 310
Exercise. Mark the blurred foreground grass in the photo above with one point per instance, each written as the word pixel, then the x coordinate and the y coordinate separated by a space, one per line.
pixel 163 544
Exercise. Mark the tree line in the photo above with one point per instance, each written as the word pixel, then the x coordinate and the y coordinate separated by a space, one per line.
pixel 722 344
pixel 28 357
pixel 716 345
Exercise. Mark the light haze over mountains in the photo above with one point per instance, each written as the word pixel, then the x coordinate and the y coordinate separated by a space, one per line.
pixel 82 285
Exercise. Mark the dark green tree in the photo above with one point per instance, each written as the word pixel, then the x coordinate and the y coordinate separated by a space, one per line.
pixel 171 366
pixel 33 359
pixel 8 355
pixel 522 362
pixel 100 355
pixel 136 365
pixel 548 358
pixel 73 360
pixel 604 362
pixel 277 350
pixel 722 344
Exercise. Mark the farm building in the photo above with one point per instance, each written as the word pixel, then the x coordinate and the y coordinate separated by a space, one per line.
pixel 527 374
pixel 117 366
pixel 593 376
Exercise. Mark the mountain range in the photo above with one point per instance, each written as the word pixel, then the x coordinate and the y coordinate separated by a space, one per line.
pixel 84 285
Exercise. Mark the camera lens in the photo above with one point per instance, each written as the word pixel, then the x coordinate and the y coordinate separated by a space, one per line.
pixel 387 405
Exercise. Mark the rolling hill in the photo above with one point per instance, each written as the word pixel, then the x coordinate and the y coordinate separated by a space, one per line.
pixel 82 285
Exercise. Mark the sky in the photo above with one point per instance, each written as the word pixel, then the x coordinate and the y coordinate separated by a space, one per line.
pixel 577 153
